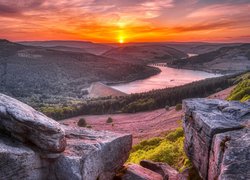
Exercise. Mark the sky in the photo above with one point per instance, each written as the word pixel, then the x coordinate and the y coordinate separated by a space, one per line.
pixel 126 20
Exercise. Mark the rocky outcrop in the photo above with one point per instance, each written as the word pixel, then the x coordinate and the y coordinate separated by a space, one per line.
pixel 33 146
pixel 26 124
pixel 217 137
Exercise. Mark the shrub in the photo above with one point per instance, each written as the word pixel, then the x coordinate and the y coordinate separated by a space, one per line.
pixel 178 107
pixel 82 122
pixel 109 120
pixel 168 149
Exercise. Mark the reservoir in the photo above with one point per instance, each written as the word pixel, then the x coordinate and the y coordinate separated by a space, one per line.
pixel 168 77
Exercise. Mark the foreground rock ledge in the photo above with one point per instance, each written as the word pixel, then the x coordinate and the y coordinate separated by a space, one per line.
pixel 26 124
pixel 88 155
pixel 217 137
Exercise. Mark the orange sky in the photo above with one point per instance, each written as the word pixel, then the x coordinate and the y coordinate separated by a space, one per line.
pixel 126 20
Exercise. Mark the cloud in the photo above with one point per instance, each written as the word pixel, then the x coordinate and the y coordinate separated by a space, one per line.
pixel 104 20
pixel 220 10
pixel 204 26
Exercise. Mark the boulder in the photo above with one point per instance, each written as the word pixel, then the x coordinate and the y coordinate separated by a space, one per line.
pixel 28 125
pixel 137 172
pixel 204 123
pixel 33 147
pixel 92 155
pixel 166 171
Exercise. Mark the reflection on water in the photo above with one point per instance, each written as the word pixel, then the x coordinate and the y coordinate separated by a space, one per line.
pixel 169 77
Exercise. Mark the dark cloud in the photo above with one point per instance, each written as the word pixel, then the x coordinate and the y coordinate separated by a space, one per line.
pixel 8 11
pixel 17 7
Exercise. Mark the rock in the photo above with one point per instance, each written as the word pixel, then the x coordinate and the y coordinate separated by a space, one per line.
pixel 92 155
pixel 166 171
pixel 27 124
pixel 137 172
pixel 18 161
pixel 205 122
pixel 88 154
pixel 230 155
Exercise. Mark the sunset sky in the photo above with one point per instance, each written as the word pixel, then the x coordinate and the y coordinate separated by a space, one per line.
pixel 126 20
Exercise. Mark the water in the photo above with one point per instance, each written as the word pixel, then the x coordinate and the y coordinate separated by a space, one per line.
pixel 169 77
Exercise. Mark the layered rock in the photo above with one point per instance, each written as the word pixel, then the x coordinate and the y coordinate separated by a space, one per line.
pixel 217 137
pixel 33 146
pixel 26 124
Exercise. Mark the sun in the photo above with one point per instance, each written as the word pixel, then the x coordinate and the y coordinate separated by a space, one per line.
pixel 121 41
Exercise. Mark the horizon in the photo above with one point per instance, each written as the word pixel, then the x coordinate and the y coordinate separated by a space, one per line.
pixel 116 21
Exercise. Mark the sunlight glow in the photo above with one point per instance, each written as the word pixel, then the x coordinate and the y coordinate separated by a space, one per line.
pixel 121 40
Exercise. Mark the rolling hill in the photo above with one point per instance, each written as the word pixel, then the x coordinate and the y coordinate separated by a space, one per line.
pixel 224 60
pixel 27 71
pixel 75 46
pixel 144 54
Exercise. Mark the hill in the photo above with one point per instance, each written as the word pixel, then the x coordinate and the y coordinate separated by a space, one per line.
pixel 144 54
pixel 42 74
pixel 79 46
pixel 224 60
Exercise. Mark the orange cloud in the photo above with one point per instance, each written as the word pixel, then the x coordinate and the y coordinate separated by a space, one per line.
pixel 131 20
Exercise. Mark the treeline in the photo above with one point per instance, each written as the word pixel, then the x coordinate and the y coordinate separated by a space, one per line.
pixel 143 101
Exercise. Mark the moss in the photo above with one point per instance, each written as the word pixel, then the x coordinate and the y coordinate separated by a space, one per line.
pixel 168 149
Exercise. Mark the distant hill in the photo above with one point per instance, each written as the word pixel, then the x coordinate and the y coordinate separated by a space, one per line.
pixel 75 46
pixel 144 54
pixel 200 48
pixel 186 47
pixel 226 59
pixel 27 71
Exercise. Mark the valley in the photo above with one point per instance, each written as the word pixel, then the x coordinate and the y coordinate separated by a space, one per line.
pixel 142 125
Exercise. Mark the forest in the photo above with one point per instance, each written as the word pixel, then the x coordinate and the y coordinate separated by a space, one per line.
pixel 151 100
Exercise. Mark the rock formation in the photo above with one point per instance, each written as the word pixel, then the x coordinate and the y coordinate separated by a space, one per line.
pixel 33 146
pixel 217 137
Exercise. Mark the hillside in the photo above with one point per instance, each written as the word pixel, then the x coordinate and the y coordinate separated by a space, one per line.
pixel 142 125
pixel 84 46
pixel 36 72
pixel 224 60
pixel 144 54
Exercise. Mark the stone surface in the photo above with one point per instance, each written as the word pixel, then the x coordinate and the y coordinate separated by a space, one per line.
pixel 166 171
pixel 137 172
pixel 205 119
pixel 18 161
pixel 92 155
pixel 33 147
pixel 230 155
pixel 27 124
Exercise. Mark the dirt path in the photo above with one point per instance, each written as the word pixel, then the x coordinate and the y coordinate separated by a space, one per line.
pixel 142 125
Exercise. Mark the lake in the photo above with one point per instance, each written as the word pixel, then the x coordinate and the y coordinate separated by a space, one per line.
pixel 168 77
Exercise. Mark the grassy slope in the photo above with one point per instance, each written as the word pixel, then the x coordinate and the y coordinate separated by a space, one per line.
pixel 168 148
pixel 242 91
